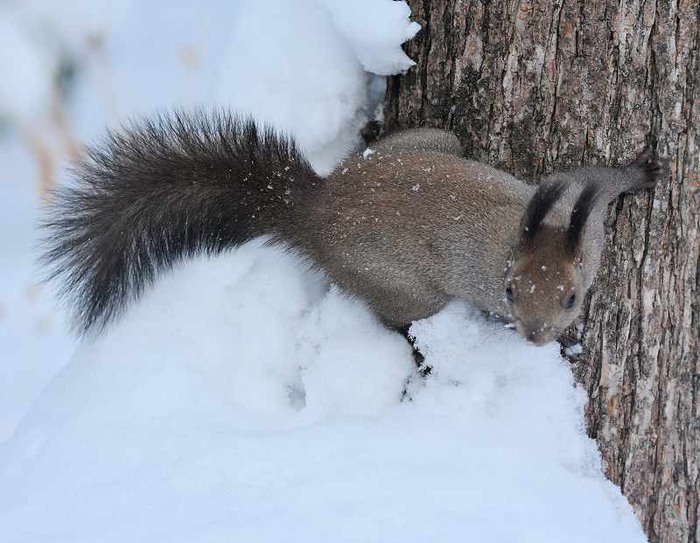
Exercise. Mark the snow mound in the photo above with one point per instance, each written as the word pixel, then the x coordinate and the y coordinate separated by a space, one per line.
pixel 314 55
pixel 243 399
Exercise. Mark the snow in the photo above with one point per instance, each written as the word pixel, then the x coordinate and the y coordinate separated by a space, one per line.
pixel 33 342
pixel 244 398
pixel 177 426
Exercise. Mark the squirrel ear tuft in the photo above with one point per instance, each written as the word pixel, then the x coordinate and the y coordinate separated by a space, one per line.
pixel 580 213
pixel 540 204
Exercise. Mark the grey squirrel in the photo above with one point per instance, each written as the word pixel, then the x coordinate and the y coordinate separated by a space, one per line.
pixel 406 227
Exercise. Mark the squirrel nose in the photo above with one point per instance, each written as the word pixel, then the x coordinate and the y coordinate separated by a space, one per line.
pixel 535 332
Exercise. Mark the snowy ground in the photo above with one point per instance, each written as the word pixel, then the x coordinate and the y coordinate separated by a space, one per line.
pixel 244 398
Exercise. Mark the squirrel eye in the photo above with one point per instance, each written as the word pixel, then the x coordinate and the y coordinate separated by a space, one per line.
pixel 570 301
pixel 510 293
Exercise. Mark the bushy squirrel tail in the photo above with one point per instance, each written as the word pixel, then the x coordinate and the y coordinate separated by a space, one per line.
pixel 160 191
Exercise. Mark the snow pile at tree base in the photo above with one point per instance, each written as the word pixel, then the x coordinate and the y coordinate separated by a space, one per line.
pixel 245 400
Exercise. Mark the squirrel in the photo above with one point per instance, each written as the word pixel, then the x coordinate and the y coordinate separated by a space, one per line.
pixel 407 226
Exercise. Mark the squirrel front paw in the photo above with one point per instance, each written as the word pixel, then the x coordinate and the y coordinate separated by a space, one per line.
pixel 646 169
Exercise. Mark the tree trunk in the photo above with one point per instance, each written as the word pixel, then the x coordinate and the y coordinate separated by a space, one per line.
pixel 536 86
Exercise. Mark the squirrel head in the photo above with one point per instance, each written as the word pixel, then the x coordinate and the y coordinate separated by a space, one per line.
pixel 544 283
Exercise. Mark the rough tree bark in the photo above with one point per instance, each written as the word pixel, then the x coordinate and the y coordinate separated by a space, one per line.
pixel 533 86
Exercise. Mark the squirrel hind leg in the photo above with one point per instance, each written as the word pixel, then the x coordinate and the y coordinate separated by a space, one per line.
pixel 423 139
